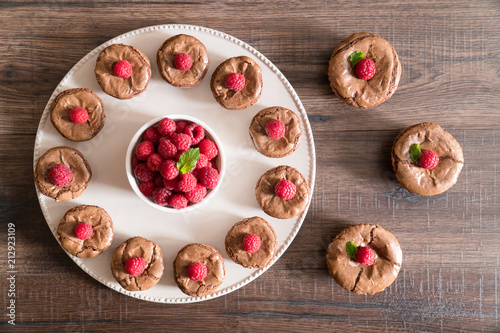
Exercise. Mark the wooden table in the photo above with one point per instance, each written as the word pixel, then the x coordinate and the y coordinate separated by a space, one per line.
pixel 450 55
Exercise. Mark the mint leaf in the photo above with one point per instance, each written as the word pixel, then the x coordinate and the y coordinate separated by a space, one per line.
pixel 352 249
pixel 415 152
pixel 355 57
pixel 187 161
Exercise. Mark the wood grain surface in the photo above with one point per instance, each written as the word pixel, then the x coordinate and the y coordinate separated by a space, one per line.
pixel 450 55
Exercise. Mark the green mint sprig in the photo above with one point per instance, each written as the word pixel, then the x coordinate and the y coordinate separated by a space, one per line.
pixel 188 159
pixel 352 249
pixel 415 152
pixel 355 57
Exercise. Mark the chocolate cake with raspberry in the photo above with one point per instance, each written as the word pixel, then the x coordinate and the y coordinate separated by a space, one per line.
pixel 282 192
pixel 182 61
pixel 62 173
pixel 437 164
pixel 137 264
pixel 85 231
pixel 373 266
pixel 275 131
pixel 122 71
pixel 237 83
pixel 78 114
pixel 364 70
pixel 251 243
pixel 199 269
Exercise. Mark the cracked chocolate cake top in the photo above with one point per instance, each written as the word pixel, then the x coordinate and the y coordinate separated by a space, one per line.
pixel 356 277
pixel 364 93
pixel 422 181
pixel 102 231
pixel 138 247
pixel 207 255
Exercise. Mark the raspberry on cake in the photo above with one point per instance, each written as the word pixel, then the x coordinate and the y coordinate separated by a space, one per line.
pixel 83 231
pixel 251 243
pixel 135 266
pixel 364 258
pixel 197 271
pixel 237 83
pixel 182 61
pixel 60 175
pixel 123 69
pixel 285 189
pixel 78 115
pixel 275 129
pixel 365 69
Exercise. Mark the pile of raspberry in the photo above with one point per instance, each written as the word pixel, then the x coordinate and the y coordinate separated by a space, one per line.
pixel 157 155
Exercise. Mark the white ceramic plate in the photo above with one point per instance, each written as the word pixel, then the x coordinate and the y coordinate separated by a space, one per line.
pixel 235 200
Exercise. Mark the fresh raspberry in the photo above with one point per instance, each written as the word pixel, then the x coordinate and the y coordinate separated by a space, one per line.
pixel 83 231
pixel 179 201
pixel 60 175
pixel 365 69
pixel 154 162
pixel 183 61
pixel 181 141
pixel 147 188
pixel 208 148
pixel 166 126
pixel 135 266
pixel 186 183
pixel 285 189
pixel 365 256
pixel 170 184
pixel 144 149
pixel 196 133
pixel 194 172
pixel 123 69
pixel 202 161
pixel 180 126
pixel 197 194
pixel 179 153
pixel 235 81
pixel 208 177
pixel 152 134
pixel 135 161
pixel 78 115
pixel 162 196
pixel 168 169
pixel 158 180
pixel 212 164
pixel 275 129
pixel 143 173
pixel 167 149
pixel 428 160
pixel 251 243
pixel 197 271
